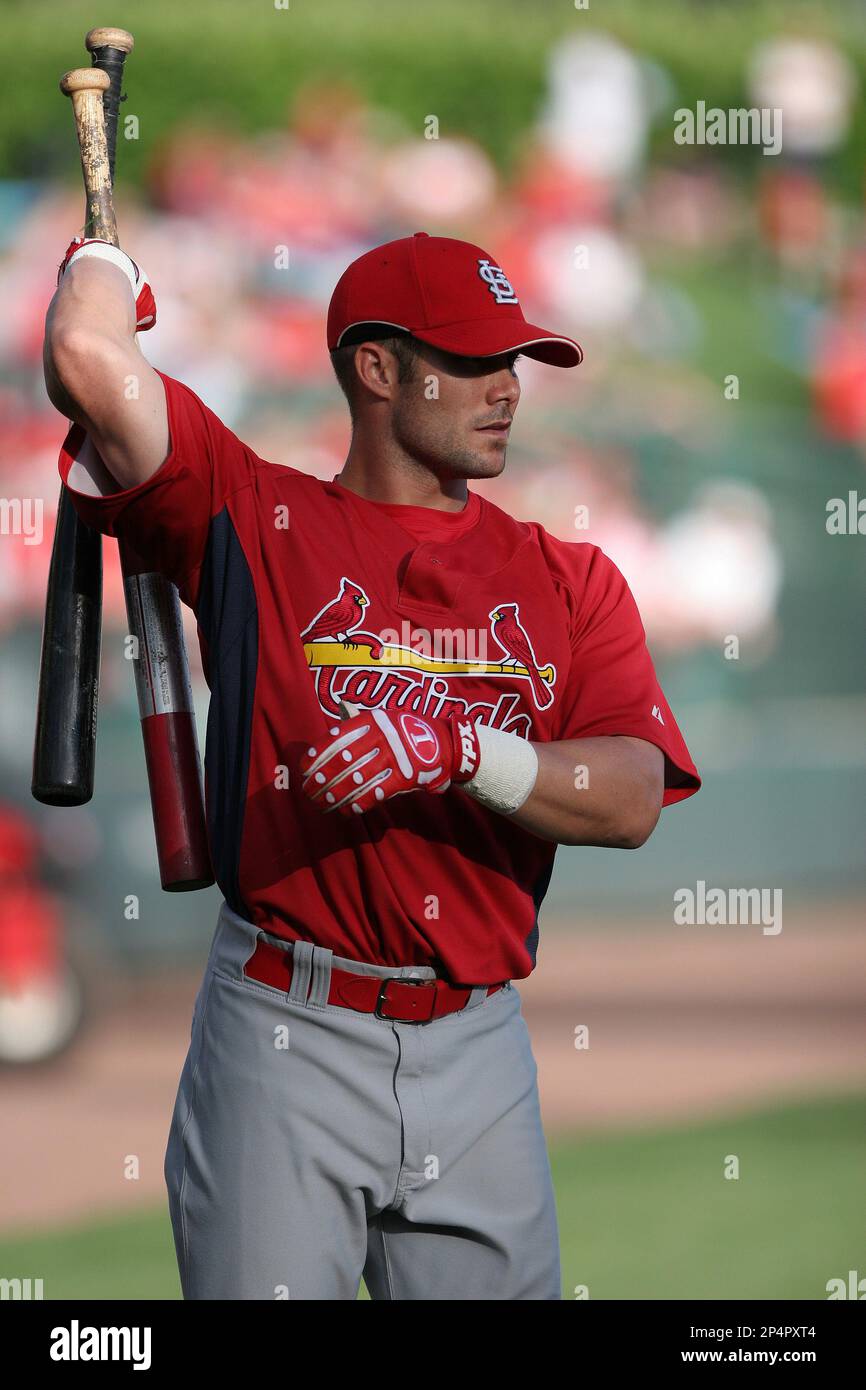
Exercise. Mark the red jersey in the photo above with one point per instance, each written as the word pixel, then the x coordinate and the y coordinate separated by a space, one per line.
pixel 304 594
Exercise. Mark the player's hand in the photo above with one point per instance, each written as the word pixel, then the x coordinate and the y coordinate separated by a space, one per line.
pixel 375 754
pixel 145 304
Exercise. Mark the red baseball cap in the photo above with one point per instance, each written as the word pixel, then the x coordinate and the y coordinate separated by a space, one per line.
pixel 448 293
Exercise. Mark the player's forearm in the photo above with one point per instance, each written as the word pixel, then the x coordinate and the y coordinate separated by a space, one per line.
pixel 595 791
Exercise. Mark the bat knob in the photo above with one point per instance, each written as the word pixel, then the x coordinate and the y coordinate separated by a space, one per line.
pixel 109 38
pixel 84 80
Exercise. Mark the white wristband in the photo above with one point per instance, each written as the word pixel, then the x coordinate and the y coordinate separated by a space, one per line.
pixel 104 251
pixel 506 776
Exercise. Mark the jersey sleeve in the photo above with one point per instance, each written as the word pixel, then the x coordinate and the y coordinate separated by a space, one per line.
pixel 166 519
pixel 612 687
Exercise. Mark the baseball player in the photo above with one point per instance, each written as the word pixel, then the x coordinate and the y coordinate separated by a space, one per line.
pixel 414 699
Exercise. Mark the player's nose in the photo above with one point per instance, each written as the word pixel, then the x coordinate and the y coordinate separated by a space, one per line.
pixel 503 386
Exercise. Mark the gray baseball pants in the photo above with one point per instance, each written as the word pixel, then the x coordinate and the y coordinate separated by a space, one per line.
pixel 311 1144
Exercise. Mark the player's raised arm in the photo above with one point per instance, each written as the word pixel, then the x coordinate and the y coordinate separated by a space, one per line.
pixel 94 371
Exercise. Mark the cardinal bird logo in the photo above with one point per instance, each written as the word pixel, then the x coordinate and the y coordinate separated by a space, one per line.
pixel 386 670
pixel 337 619
pixel 514 641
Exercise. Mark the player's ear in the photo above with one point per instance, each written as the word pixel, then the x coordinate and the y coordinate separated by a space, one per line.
pixel 377 368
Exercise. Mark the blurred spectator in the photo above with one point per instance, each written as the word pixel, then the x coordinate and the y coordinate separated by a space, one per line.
pixel 722 567
pixel 598 108
pixel 839 366
pixel 812 82
pixel 39 999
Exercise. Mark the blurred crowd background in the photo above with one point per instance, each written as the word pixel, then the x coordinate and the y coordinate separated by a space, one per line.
pixel 720 296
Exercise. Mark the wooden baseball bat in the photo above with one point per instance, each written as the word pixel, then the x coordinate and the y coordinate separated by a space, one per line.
pixel 153 605
pixel 64 747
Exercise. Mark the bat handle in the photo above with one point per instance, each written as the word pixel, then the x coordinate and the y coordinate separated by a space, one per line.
pixel 85 86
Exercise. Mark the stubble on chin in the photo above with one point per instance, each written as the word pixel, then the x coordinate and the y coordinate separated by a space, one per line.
pixel 476 464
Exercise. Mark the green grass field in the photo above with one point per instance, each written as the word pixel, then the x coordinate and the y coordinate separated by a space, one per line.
pixel 645 1215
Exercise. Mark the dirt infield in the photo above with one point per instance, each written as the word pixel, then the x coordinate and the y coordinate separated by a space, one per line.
pixel 681 1024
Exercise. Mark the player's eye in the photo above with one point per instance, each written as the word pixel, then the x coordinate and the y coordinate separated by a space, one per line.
pixel 518 357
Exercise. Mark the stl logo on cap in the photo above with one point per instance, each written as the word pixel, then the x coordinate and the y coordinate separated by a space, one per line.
pixel 497 282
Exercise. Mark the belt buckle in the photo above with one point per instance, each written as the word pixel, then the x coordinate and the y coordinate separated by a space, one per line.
pixel 382 999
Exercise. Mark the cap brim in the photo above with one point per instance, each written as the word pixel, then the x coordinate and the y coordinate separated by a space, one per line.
pixel 488 338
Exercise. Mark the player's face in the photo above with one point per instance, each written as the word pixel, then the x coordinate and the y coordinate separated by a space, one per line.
pixel 455 414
